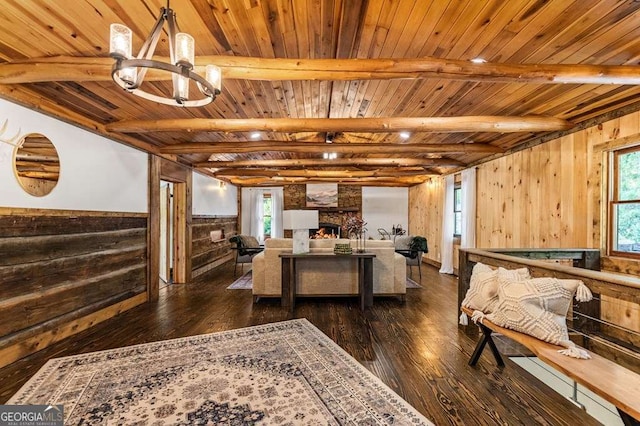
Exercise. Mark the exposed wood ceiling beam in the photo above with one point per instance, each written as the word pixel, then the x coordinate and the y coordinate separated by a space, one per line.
pixel 346 173
pixel 339 162
pixel 373 181
pixel 480 123
pixel 65 68
pixel 341 148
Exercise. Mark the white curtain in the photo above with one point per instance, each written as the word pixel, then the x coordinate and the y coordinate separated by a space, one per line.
pixel 447 227
pixel 276 212
pixel 468 236
pixel 256 209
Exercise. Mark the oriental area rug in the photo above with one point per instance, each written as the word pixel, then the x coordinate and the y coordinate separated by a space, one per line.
pixel 285 373
pixel 245 283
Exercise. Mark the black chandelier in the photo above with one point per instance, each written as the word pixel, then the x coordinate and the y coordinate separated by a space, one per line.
pixel 129 72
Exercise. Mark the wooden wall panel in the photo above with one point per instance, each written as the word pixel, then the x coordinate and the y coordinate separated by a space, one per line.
pixel 549 196
pixel 207 255
pixel 58 268
pixel 425 215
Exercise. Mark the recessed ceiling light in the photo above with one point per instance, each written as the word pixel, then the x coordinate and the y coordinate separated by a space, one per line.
pixel 330 155
pixel 255 135
pixel 405 135
pixel 478 60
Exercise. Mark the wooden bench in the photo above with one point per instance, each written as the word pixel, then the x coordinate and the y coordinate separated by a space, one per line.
pixel 614 383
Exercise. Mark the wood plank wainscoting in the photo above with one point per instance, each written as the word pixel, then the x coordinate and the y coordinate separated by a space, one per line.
pixel 206 254
pixel 63 271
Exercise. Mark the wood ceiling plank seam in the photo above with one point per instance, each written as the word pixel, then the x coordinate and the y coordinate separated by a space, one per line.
pixel 272 20
pixel 81 28
pixel 50 34
pixel 484 44
pixel 285 13
pixel 301 32
pixel 412 23
pixel 445 108
pixel 298 94
pixel 596 31
pixel 452 36
pixel 507 23
pixel 569 106
pixel 249 102
pixel 626 33
pixel 261 32
pixel 475 31
pixel 535 24
pixel 386 26
pixel 358 97
pixel 227 21
pixel 348 34
pixel 386 99
pixel 546 36
pixel 329 36
pixel 206 12
pixel 426 28
pixel 71 101
pixel 372 14
pixel 239 21
pixel 348 97
pixel 436 36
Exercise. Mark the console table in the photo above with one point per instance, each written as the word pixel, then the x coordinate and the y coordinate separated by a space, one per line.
pixel 365 275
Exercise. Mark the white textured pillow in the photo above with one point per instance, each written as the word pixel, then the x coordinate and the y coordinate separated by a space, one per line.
pixel 483 286
pixel 539 307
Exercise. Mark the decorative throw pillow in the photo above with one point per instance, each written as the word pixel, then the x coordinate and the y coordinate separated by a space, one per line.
pixel 539 307
pixel 249 241
pixel 483 286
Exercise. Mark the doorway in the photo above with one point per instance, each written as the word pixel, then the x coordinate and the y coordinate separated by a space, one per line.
pixel 167 247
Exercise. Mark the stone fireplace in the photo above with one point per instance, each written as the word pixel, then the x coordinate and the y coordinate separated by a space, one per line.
pixel 349 202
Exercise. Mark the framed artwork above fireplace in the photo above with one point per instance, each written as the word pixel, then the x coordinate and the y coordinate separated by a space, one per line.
pixel 322 195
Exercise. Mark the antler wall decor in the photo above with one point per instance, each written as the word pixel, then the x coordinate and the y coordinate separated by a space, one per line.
pixel 11 141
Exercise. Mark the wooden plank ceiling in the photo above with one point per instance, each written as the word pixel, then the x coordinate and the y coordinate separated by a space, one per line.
pixel 537 32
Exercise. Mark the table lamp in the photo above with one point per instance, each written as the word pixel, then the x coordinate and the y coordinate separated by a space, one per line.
pixel 300 221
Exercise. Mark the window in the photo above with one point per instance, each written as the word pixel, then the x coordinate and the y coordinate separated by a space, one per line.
pixel 266 214
pixel 624 206
pixel 457 210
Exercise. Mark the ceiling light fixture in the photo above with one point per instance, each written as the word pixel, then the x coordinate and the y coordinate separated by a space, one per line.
pixel 330 155
pixel 129 72
pixel 478 60
pixel 405 135
pixel 255 135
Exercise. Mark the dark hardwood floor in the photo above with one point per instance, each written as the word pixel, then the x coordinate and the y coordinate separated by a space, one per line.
pixel 415 348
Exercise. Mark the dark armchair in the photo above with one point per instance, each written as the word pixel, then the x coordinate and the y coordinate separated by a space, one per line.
pixel 412 247
pixel 246 247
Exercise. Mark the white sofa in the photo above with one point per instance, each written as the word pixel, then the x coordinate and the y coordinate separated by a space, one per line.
pixel 337 276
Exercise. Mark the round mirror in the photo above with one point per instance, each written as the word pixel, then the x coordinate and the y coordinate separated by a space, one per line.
pixel 36 164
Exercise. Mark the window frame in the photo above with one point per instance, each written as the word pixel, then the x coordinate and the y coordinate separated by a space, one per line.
pixel 457 188
pixel 613 201
pixel 264 198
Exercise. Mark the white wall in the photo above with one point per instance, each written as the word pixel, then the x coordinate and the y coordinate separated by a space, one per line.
pixel 383 207
pixel 95 173
pixel 210 199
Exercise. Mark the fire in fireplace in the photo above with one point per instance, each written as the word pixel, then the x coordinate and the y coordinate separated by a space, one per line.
pixel 325 230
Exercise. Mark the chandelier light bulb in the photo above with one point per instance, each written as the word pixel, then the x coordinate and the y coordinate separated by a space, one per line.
pixel 120 41
pixel 214 76
pixel 182 88
pixel 185 50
